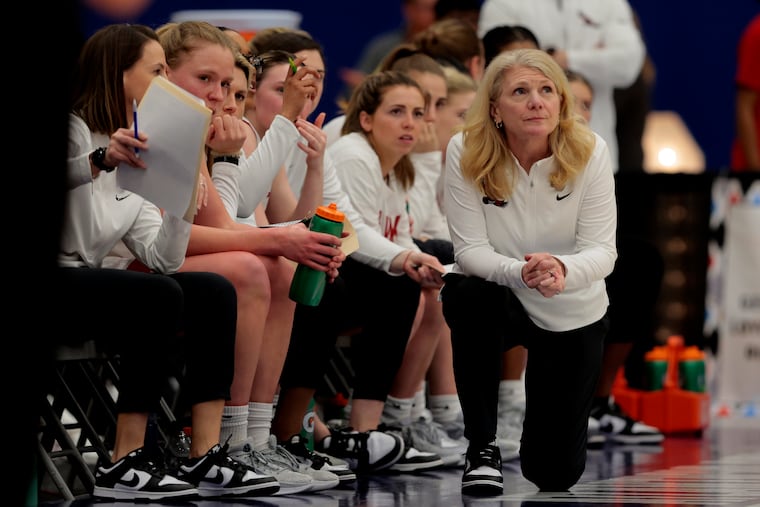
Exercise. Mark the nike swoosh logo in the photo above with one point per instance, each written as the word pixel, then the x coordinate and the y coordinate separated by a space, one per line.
pixel 219 479
pixel 223 476
pixel 122 197
pixel 135 480
pixel 560 197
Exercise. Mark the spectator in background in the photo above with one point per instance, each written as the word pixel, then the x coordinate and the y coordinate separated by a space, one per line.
pixel 417 15
pixel 745 154
pixel 596 38
pixel 632 105
pixel 455 43
pixel 505 37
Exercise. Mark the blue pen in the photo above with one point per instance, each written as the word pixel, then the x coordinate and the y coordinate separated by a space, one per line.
pixel 134 122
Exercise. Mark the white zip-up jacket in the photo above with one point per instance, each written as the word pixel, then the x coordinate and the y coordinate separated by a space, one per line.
pixel 576 224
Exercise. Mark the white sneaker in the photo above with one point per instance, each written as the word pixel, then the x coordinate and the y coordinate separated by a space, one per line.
pixel 428 435
pixel 291 481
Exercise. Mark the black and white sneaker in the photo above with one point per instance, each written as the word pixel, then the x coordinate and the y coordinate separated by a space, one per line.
pixel 482 471
pixel 137 477
pixel 366 451
pixel 609 421
pixel 216 475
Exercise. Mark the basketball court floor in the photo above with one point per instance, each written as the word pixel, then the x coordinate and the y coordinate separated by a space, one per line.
pixel 720 467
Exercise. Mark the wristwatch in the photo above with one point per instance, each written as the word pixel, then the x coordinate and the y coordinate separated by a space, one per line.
pixel 230 159
pixel 98 159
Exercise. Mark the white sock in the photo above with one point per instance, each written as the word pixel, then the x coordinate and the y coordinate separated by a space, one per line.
pixel 234 424
pixel 397 410
pixel 444 407
pixel 419 407
pixel 259 423
pixel 511 392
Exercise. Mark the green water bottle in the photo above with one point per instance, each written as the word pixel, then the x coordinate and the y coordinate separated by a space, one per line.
pixel 691 369
pixel 308 284
pixel 307 426
pixel 656 367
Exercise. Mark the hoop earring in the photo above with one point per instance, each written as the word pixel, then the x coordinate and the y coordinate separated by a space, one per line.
pixel 499 124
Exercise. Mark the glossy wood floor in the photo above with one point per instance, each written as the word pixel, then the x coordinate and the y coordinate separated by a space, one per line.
pixel 719 468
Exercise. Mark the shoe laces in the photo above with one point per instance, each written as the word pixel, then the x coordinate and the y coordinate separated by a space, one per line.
pixel 296 446
pixel 428 430
pixel 346 439
pixel 278 455
pixel 488 455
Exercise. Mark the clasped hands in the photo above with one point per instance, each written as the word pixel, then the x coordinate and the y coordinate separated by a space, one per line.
pixel 545 273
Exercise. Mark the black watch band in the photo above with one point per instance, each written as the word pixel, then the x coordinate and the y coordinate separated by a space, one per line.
pixel 231 159
pixel 98 158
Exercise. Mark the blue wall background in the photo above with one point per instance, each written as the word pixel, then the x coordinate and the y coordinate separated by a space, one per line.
pixel 692 42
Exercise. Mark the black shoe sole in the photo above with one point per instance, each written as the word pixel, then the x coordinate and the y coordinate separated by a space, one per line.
pixel 483 488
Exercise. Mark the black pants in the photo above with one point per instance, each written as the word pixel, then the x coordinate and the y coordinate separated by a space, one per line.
pixel 158 325
pixel 381 305
pixel 560 378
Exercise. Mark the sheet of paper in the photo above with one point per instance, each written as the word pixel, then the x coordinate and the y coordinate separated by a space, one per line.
pixel 176 124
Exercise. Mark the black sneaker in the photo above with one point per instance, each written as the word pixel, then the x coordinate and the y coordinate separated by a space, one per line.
pixel 216 475
pixel 319 464
pixel 482 472
pixel 137 477
pixel 366 451
pixel 608 420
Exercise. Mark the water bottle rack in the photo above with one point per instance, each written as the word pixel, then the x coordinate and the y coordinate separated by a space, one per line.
pixel 671 409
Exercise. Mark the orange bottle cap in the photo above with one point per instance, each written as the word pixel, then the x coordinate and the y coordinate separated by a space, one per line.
pixel 330 212
pixel 657 354
pixel 692 353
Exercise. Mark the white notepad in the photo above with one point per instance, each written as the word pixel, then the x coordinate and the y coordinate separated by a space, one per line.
pixel 176 123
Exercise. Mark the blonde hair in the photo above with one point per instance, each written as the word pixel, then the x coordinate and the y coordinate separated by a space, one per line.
pixel 181 39
pixel 486 156
pixel 458 82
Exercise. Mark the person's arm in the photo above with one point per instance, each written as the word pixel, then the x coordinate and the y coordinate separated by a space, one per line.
pixel 619 58
pixel 158 242
pixel 260 167
pixel 595 233
pixel 215 231
pixel 746 128
pixel 473 250
pixel 495 13
pixel 423 194
pixel 225 177
pixel 283 204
